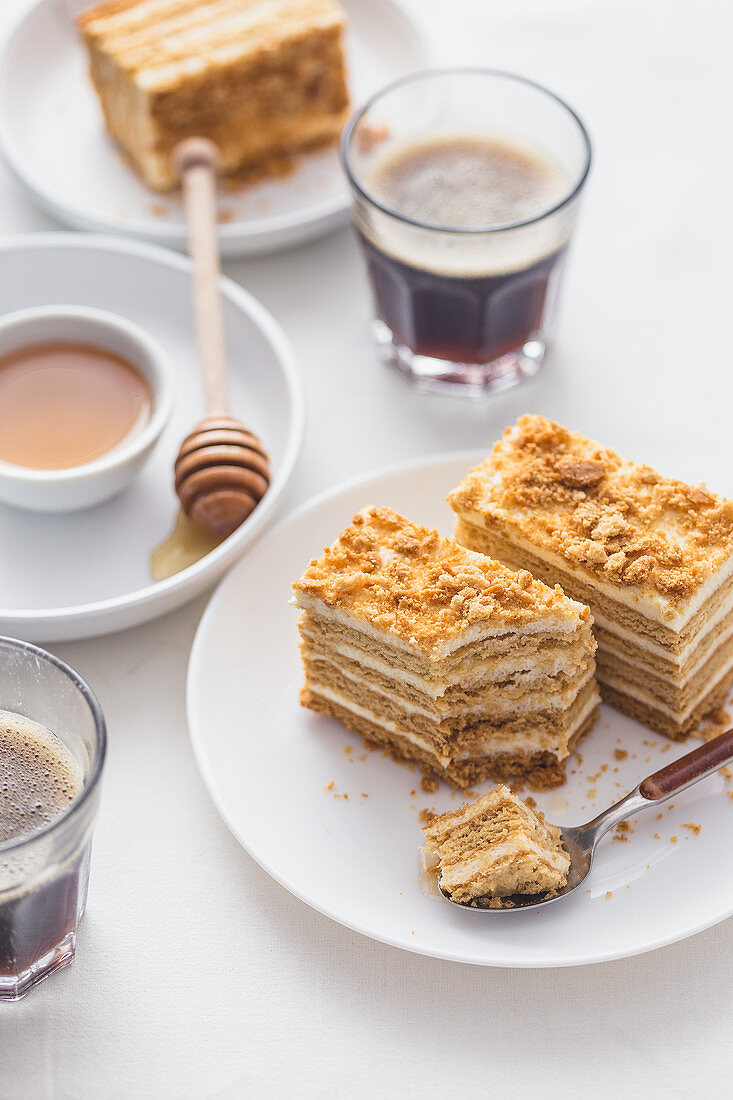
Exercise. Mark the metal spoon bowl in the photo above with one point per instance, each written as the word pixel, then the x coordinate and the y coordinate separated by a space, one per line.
pixel 581 841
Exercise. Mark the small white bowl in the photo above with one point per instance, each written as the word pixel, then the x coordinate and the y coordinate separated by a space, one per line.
pixel 78 487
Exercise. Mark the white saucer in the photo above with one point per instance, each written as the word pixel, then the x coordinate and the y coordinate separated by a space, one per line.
pixel 86 573
pixel 279 775
pixel 52 134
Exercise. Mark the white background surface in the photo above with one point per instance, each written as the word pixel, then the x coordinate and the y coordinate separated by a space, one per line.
pixel 199 977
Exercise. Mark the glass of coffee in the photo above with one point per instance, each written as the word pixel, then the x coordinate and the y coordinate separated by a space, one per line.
pixel 52 747
pixel 466 185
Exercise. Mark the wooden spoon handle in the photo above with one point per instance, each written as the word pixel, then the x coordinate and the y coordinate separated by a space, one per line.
pixel 688 769
pixel 196 160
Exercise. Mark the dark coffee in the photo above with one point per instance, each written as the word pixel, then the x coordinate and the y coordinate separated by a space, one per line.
pixel 467 320
pixel 38 780
pixel 458 293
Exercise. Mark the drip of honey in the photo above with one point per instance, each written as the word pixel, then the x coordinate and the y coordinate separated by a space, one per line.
pixel 184 546
pixel 64 405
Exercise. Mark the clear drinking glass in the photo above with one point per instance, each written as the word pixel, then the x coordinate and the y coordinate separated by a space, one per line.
pixel 464 307
pixel 44 875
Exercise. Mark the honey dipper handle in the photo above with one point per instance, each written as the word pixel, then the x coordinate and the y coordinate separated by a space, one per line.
pixel 688 769
pixel 196 160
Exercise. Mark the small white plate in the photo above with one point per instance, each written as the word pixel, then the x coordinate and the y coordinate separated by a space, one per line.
pixel 52 134
pixel 87 573
pixel 279 775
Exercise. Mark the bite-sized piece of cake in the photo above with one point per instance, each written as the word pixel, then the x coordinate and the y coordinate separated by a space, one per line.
pixel 263 79
pixel 443 656
pixel 651 556
pixel 494 848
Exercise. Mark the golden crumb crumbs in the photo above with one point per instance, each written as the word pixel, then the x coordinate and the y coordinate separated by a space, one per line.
pixel 619 521
pixel 620 754
pixel 696 829
pixel 429 784
pixel 423 589
pixel 426 816
pixel 714 723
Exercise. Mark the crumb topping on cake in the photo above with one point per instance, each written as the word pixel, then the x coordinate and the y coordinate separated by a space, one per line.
pixel 424 589
pixel 164 42
pixel 619 520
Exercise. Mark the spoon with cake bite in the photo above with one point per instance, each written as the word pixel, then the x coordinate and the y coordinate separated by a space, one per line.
pixel 581 841
pixel 222 470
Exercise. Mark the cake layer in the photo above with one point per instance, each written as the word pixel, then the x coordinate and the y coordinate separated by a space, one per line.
pixel 468 645
pixel 518 865
pixel 467 665
pixel 676 690
pixel 655 544
pixel 465 737
pixel 618 642
pixel 678 700
pixel 541 769
pixel 608 612
pixel 619 696
pixel 499 698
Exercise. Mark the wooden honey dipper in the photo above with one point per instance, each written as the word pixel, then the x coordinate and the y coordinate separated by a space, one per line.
pixel 222 471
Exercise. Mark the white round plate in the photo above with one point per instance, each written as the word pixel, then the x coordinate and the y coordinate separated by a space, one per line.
pixel 280 776
pixel 86 573
pixel 52 133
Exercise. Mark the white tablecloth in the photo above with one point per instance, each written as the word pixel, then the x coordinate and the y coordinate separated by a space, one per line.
pixel 197 976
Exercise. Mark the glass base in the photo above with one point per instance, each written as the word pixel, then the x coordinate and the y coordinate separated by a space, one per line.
pixel 460 379
pixel 13 987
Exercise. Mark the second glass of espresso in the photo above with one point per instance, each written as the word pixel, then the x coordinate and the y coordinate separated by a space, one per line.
pixel 466 186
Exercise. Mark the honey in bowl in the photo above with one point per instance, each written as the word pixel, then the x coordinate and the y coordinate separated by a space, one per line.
pixel 64 405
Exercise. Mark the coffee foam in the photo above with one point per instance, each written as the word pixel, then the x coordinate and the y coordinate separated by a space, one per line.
pixel 467 182
pixel 458 186
pixel 39 777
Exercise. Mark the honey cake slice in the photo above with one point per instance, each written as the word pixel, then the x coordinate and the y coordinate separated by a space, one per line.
pixel 443 656
pixel 263 79
pixel 650 555
pixel 494 848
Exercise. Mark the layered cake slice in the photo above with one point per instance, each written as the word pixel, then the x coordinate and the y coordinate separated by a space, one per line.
pixel 444 656
pixel 263 79
pixel 651 556
pixel 494 848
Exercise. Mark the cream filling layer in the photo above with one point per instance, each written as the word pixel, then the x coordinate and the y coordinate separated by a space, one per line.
pixel 515 742
pixel 507 852
pixel 674 616
pixel 551 624
pixel 484 747
pixel 378 720
pixel 493 670
pixel 635 692
pixel 532 700
pixel 659 651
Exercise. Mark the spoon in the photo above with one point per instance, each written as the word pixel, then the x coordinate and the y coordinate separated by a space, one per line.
pixel 581 841
pixel 222 470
